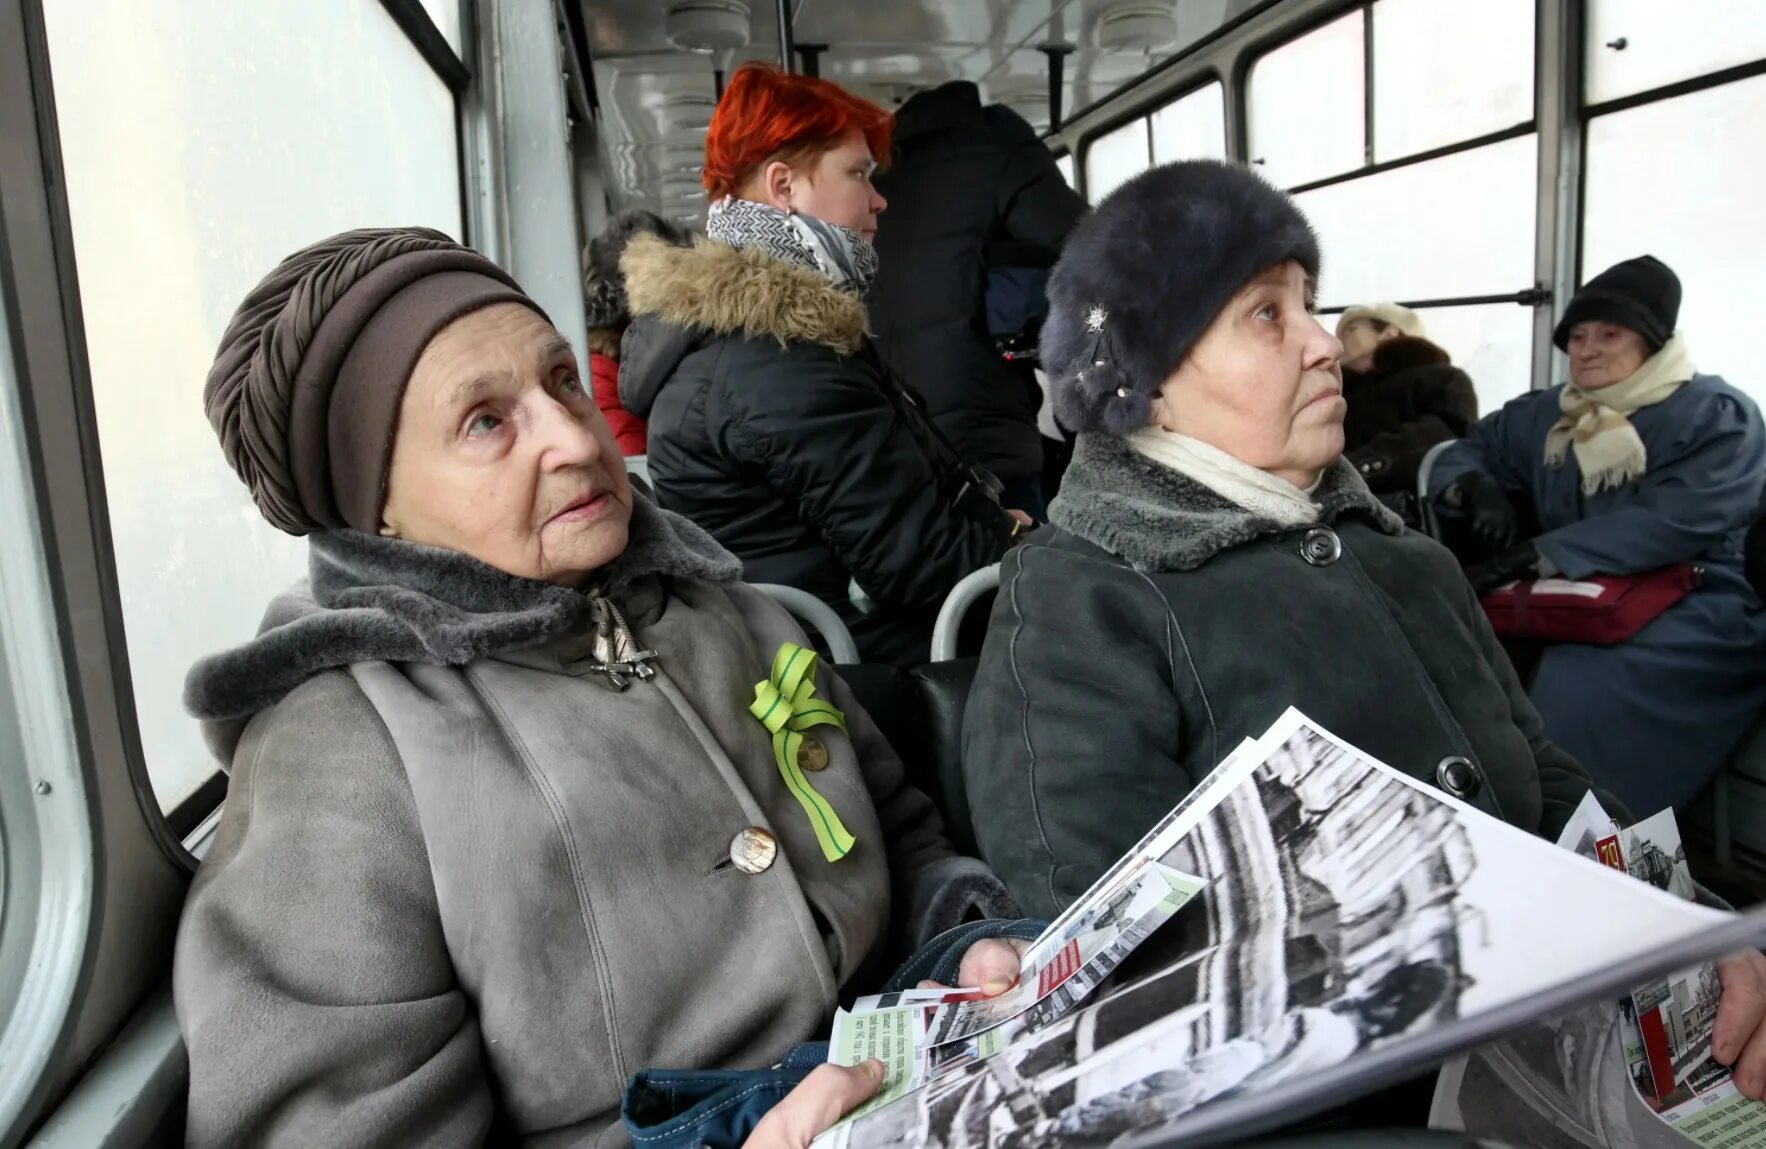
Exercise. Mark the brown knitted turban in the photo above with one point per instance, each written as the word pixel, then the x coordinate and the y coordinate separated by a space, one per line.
pixel 307 383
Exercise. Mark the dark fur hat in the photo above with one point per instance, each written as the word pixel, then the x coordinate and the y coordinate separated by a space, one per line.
pixel 603 285
pixel 1143 276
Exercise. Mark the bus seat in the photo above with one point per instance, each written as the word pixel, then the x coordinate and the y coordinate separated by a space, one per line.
pixel 1430 527
pixel 941 692
pixel 819 616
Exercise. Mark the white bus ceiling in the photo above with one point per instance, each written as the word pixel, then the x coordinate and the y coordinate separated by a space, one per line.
pixel 1474 158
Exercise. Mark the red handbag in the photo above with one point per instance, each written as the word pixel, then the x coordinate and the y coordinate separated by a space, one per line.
pixel 1599 610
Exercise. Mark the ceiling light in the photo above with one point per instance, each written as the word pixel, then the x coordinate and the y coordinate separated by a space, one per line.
pixel 708 25
pixel 690 111
pixel 1147 27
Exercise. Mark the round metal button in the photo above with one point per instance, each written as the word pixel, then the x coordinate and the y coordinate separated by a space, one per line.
pixel 1322 547
pixel 753 850
pixel 1459 777
pixel 812 756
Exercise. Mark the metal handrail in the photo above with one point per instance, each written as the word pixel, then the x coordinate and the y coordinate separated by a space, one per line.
pixel 808 608
pixel 956 604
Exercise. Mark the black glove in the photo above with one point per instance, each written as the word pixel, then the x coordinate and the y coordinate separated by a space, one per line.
pixel 1512 565
pixel 1485 507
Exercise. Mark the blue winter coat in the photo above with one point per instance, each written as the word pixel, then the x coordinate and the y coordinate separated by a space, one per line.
pixel 1655 717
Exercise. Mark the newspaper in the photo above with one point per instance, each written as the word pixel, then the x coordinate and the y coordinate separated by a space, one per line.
pixel 1638 1072
pixel 1348 913
pixel 921 1035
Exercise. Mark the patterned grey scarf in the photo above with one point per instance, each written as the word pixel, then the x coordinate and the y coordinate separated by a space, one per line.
pixel 839 253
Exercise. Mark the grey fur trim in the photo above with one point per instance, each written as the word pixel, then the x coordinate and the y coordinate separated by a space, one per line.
pixel 1161 520
pixel 951 891
pixel 374 599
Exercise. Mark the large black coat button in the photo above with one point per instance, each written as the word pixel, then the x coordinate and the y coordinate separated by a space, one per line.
pixel 1322 547
pixel 1459 777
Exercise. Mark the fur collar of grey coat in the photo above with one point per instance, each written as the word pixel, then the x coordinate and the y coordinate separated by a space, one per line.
pixel 1161 520
pixel 369 598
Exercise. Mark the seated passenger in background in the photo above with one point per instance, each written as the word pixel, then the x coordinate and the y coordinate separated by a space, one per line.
pixel 966 178
pixel 1404 395
pixel 501 829
pixel 1214 559
pixel 1639 463
pixel 773 424
pixel 608 314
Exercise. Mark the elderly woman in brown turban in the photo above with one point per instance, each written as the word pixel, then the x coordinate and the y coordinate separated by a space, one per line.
pixel 503 827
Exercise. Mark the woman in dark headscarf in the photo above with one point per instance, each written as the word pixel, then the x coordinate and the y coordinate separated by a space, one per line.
pixel 498 834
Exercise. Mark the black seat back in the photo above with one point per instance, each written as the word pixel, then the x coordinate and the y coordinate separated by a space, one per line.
pixel 920 712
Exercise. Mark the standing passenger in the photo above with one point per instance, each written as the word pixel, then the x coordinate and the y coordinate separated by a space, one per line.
pixel 773 424
pixel 608 314
pixel 966 177
pixel 1638 463
pixel 1404 395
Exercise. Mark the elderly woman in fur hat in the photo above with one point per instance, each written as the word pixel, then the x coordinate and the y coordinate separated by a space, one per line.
pixel 774 424
pixel 1214 560
pixel 502 826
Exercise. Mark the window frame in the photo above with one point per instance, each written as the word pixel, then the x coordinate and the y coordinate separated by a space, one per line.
pixel 1145 113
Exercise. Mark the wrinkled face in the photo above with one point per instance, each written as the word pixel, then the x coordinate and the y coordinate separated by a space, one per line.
pixel 1263 382
pixel 1602 354
pixel 834 186
pixel 502 454
pixel 1361 338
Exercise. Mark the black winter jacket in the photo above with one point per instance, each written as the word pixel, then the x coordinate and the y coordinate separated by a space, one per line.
pixel 773 426
pixel 1409 400
pixel 1134 646
pixel 964 178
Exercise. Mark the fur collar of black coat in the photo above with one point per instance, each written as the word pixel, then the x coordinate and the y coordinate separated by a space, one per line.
pixel 1396 356
pixel 1158 519
pixel 374 599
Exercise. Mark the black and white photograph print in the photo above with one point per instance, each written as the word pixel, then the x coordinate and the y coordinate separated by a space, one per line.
pixel 1348 907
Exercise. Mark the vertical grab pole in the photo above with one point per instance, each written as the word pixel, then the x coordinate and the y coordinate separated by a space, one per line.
pixel 787 45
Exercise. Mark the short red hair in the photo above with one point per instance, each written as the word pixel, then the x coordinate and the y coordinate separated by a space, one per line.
pixel 767 112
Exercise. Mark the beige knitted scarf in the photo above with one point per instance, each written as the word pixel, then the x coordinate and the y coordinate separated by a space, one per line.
pixel 1608 448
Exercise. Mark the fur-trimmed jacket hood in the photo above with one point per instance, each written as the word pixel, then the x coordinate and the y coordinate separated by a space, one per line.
pixel 684 297
pixel 1161 520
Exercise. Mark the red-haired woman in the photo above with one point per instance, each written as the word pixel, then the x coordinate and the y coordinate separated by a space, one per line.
pixel 773 424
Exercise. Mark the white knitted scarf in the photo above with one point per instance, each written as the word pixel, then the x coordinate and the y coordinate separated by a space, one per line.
pixel 1238 483
pixel 1608 448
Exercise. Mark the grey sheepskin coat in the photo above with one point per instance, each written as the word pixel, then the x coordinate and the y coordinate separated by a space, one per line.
pixel 463 889
pixel 1134 645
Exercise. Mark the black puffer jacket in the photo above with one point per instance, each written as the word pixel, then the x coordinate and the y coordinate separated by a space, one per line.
pixel 773 426
pixel 964 179
pixel 1132 648
pixel 1410 399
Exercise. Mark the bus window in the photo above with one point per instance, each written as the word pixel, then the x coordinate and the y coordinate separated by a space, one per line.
pixel 1634 46
pixel 1065 164
pixel 1452 80
pixel 1426 97
pixel 446 15
pixel 1679 179
pixel 203 141
pixel 1191 127
pixel 1116 157
pixel 1307 114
